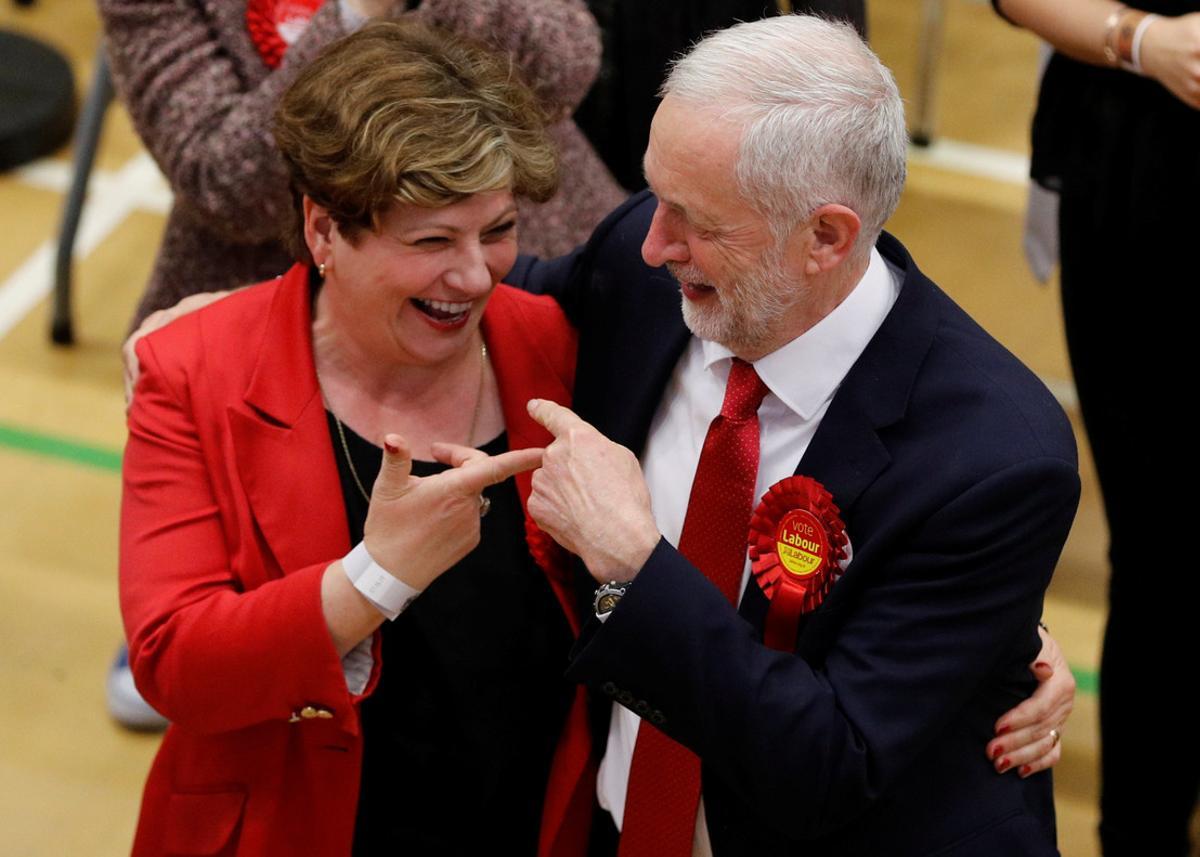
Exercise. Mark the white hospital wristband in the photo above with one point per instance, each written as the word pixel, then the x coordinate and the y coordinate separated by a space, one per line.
pixel 389 595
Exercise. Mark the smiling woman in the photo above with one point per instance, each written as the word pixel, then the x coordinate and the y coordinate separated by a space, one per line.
pixel 254 464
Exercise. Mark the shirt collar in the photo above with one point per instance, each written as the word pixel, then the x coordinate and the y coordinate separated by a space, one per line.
pixel 806 372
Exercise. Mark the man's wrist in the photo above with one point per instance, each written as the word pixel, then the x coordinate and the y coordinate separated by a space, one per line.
pixel 624 558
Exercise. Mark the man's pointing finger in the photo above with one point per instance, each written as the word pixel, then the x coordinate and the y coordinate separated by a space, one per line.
pixel 553 416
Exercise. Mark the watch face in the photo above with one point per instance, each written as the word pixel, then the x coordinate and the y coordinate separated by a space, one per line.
pixel 607 602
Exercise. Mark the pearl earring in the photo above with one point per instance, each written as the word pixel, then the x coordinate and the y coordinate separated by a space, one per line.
pixel 321 270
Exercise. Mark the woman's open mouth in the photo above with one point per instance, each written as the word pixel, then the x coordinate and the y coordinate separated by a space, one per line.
pixel 444 314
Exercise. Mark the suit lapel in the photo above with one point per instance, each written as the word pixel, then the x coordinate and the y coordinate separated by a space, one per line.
pixel 281 439
pixel 849 450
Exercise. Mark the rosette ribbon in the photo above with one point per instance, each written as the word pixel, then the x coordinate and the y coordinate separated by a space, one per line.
pixel 797 542
pixel 275 24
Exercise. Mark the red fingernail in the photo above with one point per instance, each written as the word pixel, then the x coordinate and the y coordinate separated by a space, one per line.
pixel 1003 730
pixel 996 753
pixel 1025 771
pixel 390 448
pixel 1003 766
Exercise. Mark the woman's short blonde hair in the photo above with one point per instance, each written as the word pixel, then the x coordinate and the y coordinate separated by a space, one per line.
pixel 401 112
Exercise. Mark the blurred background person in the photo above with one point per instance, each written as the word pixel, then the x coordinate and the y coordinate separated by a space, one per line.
pixel 1117 135
pixel 248 473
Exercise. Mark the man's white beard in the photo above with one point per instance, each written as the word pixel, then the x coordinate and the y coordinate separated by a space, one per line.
pixel 745 313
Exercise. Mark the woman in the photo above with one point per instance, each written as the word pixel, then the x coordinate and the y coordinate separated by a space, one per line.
pixel 249 472
pixel 201 80
pixel 1117 136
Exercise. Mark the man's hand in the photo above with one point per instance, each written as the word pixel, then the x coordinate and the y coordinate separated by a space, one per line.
pixel 418 527
pixel 591 497
pixel 1028 737
pixel 151 323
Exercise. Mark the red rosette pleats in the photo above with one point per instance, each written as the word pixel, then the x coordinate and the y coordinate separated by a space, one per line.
pixel 797 542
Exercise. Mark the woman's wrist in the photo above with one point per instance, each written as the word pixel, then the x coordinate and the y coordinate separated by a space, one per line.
pixel 1124 30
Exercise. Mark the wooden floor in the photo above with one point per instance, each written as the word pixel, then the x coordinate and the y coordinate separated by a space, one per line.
pixel 69 778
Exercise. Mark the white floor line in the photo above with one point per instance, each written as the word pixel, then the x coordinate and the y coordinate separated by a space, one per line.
pixel 136 186
pixel 983 161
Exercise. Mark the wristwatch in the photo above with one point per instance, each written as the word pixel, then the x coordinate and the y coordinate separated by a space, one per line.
pixel 608 596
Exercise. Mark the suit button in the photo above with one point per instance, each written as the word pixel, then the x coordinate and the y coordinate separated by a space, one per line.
pixel 609 688
pixel 642 707
pixel 324 714
pixel 657 717
pixel 308 712
pixel 625 698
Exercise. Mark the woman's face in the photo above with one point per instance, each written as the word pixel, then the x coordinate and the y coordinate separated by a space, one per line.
pixel 414 292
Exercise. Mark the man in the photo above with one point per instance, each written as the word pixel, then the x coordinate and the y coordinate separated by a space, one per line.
pixel 776 156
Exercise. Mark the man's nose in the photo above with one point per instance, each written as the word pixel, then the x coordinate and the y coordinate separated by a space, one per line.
pixel 665 240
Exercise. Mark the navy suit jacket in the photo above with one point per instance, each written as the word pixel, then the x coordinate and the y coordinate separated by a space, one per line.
pixel 956 475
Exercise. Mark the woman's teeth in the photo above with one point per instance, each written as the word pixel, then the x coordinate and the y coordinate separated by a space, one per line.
pixel 442 309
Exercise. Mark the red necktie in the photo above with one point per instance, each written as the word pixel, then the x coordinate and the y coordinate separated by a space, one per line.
pixel 664 779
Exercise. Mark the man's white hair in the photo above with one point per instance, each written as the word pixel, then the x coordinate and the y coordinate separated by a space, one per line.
pixel 822 118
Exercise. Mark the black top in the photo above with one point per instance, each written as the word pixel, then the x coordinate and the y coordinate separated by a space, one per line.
pixel 459 733
pixel 1113 135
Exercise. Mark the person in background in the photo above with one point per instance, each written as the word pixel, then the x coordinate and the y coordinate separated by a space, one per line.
pixel 1117 136
pixel 259 512
pixel 201 81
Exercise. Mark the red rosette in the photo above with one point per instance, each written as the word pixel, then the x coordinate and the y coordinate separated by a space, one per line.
pixel 797 543
pixel 275 24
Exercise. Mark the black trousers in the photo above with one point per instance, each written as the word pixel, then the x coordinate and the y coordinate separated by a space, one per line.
pixel 1129 267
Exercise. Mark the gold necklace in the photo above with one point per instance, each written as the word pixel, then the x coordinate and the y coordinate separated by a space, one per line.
pixel 470 433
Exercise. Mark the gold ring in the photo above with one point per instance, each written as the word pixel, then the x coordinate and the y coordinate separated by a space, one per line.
pixel 485 505
pixel 1056 735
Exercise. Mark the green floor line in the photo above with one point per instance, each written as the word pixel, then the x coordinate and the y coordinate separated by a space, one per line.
pixel 50 446
pixel 36 443
pixel 1087 682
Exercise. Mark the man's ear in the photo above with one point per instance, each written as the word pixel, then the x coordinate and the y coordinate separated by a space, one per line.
pixel 834 230
pixel 318 231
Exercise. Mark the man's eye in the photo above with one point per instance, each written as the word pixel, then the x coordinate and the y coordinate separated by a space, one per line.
pixel 431 240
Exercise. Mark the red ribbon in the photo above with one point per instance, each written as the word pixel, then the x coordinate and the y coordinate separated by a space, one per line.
pixel 275 24
pixel 797 542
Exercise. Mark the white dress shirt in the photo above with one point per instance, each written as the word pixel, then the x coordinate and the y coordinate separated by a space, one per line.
pixel 802 378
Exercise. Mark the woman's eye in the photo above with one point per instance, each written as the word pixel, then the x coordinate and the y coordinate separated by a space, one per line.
pixel 502 229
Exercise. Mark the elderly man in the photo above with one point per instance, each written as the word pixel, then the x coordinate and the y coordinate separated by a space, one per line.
pixel 829 697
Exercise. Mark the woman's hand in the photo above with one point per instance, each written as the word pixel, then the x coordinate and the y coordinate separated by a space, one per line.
pixel 417 527
pixel 1028 738
pixel 151 323
pixel 1170 53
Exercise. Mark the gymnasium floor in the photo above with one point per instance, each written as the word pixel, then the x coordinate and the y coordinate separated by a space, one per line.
pixel 69 778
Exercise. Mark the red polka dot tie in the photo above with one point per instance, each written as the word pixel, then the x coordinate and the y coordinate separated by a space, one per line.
pixel 664 779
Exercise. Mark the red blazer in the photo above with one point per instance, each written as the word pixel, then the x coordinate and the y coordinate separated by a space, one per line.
pixel 231 511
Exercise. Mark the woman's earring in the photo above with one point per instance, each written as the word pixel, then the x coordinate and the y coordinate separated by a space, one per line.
pixel 321 270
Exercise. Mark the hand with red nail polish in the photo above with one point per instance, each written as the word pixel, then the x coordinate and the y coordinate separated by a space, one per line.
pixel 1029 741
pixel 417 527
